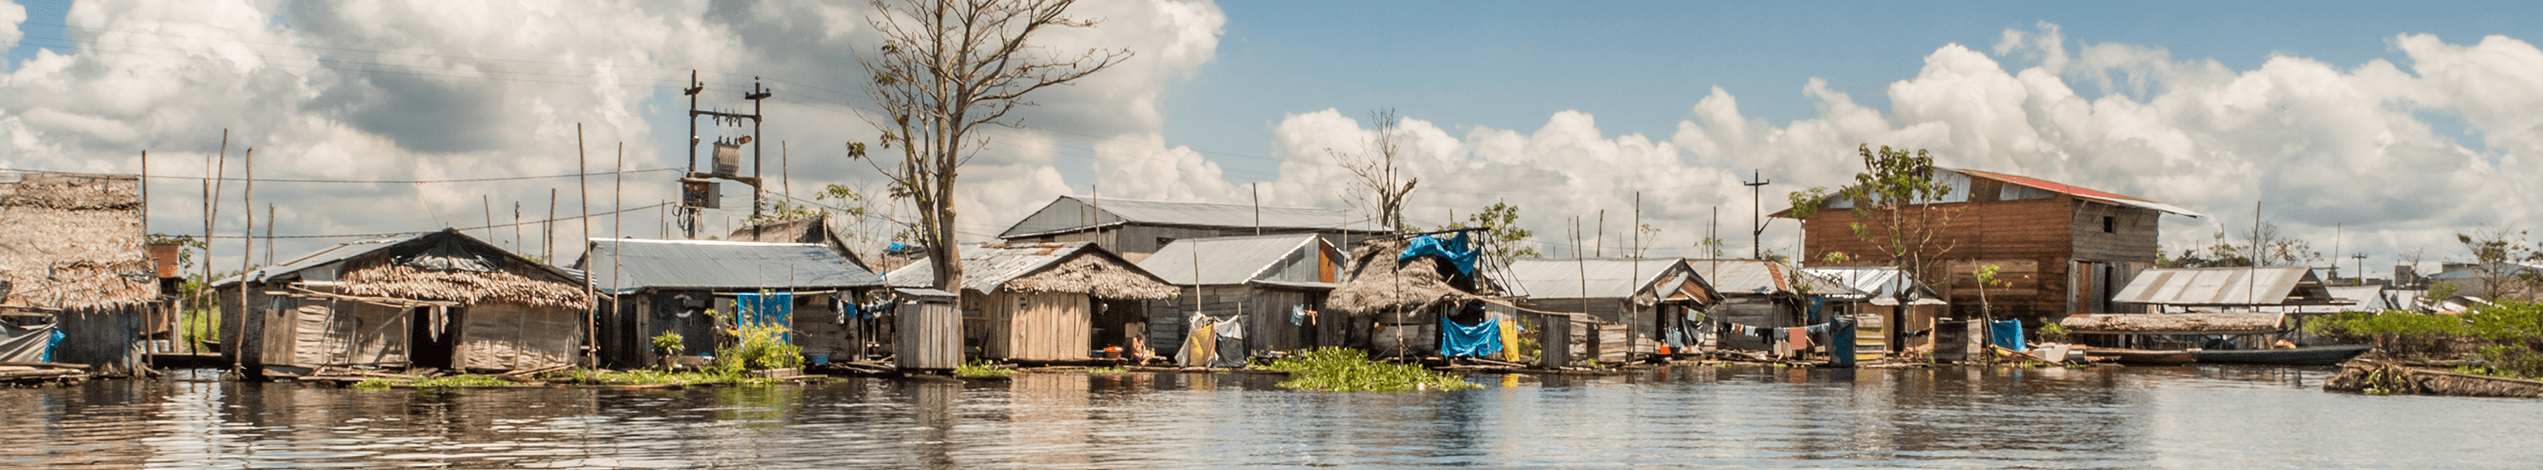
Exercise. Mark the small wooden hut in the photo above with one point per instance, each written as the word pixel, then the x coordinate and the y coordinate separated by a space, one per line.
pixel 1882 324
pixel 441 300
pixel 72 261
pixel 1039 301
pixel 1763 294
pixel 1273 284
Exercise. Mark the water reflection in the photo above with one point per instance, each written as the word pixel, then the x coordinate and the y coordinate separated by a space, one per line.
pixel 1677 416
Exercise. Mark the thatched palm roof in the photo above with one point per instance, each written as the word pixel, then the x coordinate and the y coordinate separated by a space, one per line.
pixel 73 241
pixel 439 266
pixel 1377 282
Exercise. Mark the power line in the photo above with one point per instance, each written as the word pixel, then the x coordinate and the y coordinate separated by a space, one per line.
pixel 305 180
pixel 481 227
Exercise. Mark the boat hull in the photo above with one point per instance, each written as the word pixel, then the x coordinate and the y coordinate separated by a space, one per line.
pixel 2307 356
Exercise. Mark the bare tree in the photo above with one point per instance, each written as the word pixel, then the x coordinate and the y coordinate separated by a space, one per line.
pixel 1378 185
pixel 2499 257
pixel 947 69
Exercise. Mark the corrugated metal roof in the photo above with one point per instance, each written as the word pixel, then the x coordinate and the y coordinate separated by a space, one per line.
pixel 2224 286
pixel 1755 277
pixel 1223 260
pixel 990 266
pixel 1879 284
pixel 622 266
pixel 328 255
pixel 1604 278
pixel 1071 213
pixel 2079 191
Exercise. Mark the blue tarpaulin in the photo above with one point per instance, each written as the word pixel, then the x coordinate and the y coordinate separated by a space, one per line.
pixel 1458 251
pixel 1841 344
pixel 2006 334
pixel 1469 341
pixel 773 309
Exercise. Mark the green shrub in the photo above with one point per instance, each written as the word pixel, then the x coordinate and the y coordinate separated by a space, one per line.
pixel 758 346
pixel 1350 370
pixel 2510 334
pixel 978 368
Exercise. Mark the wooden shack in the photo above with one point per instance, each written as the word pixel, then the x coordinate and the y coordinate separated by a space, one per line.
pixel 1759 293
pixel 441 300
pixel 72 260
pixel 1889 309
pixel 2064 249
pixel 1638 307
pixel 1274 284
pixel 666 286
pixel 1391 305
pixel 1137 228
pixel 1039 302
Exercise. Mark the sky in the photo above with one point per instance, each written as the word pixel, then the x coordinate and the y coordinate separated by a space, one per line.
pixel 2378 127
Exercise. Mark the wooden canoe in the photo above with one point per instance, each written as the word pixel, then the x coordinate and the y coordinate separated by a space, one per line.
pixel 2144 356
pixel 2306 356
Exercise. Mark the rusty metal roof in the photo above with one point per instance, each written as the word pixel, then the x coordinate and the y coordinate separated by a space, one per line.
pixel 2226 286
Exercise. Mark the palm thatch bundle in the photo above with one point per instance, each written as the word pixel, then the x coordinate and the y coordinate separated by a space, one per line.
pixel 2174 323
pixel 1378 283
pixel 1094 275
pixel 74 242
pixel 511 285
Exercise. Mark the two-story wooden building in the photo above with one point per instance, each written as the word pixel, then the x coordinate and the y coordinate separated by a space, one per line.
pixel 2063 249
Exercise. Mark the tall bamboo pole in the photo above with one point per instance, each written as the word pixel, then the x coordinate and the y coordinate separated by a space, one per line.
pixel 582 177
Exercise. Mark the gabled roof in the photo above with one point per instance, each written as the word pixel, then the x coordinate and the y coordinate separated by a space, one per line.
pixel 2019 188
pixel 447 266
pixel 1074 213
pixel 2078 191
pixel 2225 286
pixel 1762 277
pixel 622 266
pixel 350 250
pixel 1881 285
pixel 815 229
pixel 1226 260
pixel 1598 278
pixel 991 268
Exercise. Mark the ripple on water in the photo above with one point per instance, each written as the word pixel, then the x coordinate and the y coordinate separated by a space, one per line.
pixel 2202 417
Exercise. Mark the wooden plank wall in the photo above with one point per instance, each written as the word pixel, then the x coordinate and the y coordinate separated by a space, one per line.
pixel 107 338
pixel 816 326
pixel 928 335
pixel 509 337
pixel 2036 241
pixel 334 333
pixel 1037 326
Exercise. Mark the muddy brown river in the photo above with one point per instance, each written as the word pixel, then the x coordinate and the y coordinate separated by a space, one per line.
pixel 2176 417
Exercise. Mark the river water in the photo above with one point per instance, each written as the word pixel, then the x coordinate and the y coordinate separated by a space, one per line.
pixel 2172 417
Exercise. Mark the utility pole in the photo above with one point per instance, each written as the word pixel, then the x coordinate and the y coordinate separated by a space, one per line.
pixel 2361 257
pixel 691 206
pixel 1757 221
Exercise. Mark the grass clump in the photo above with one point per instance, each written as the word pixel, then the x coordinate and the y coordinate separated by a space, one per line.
pixel 977 368
pixel 443 382
pixel 1106 370
pixel 1350 370
pixel 2505 340
pixel 659 377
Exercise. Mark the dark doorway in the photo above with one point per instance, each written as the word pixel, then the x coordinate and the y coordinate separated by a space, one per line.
pixel 425 350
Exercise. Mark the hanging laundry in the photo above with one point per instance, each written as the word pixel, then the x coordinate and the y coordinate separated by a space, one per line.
pixel 1231 350
pixel 1478 340
pixel 1510 342
pixel 1200 346
pixel 1298 315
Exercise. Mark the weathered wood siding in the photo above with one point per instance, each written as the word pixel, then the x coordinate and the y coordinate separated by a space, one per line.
pixel 106 338
pixel 339 334
pixel 817 328
pixel 1751 310
pixel 928 336
pixel 1265 312
pixel 510 337
pixel 1035 326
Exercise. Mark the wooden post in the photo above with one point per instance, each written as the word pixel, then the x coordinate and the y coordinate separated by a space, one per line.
pixel 269 233
pixel 248 165
pixel 211 207
pixel 582 176
pixel 489 200
pixel 548 228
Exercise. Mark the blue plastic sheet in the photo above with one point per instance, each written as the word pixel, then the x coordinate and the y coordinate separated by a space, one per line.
pixel 1841 344
pixel 1459 251
pixel 772 309
pixel 1469 341
pixel 2006 334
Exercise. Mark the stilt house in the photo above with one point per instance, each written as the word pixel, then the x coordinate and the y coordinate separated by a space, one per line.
pixel 1639 307
pixel 1043 302
pixel 2065 249
pixel 440 300
pixel 1275 285
pixel 72 261
pixel 666 286
pixel 1137 228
